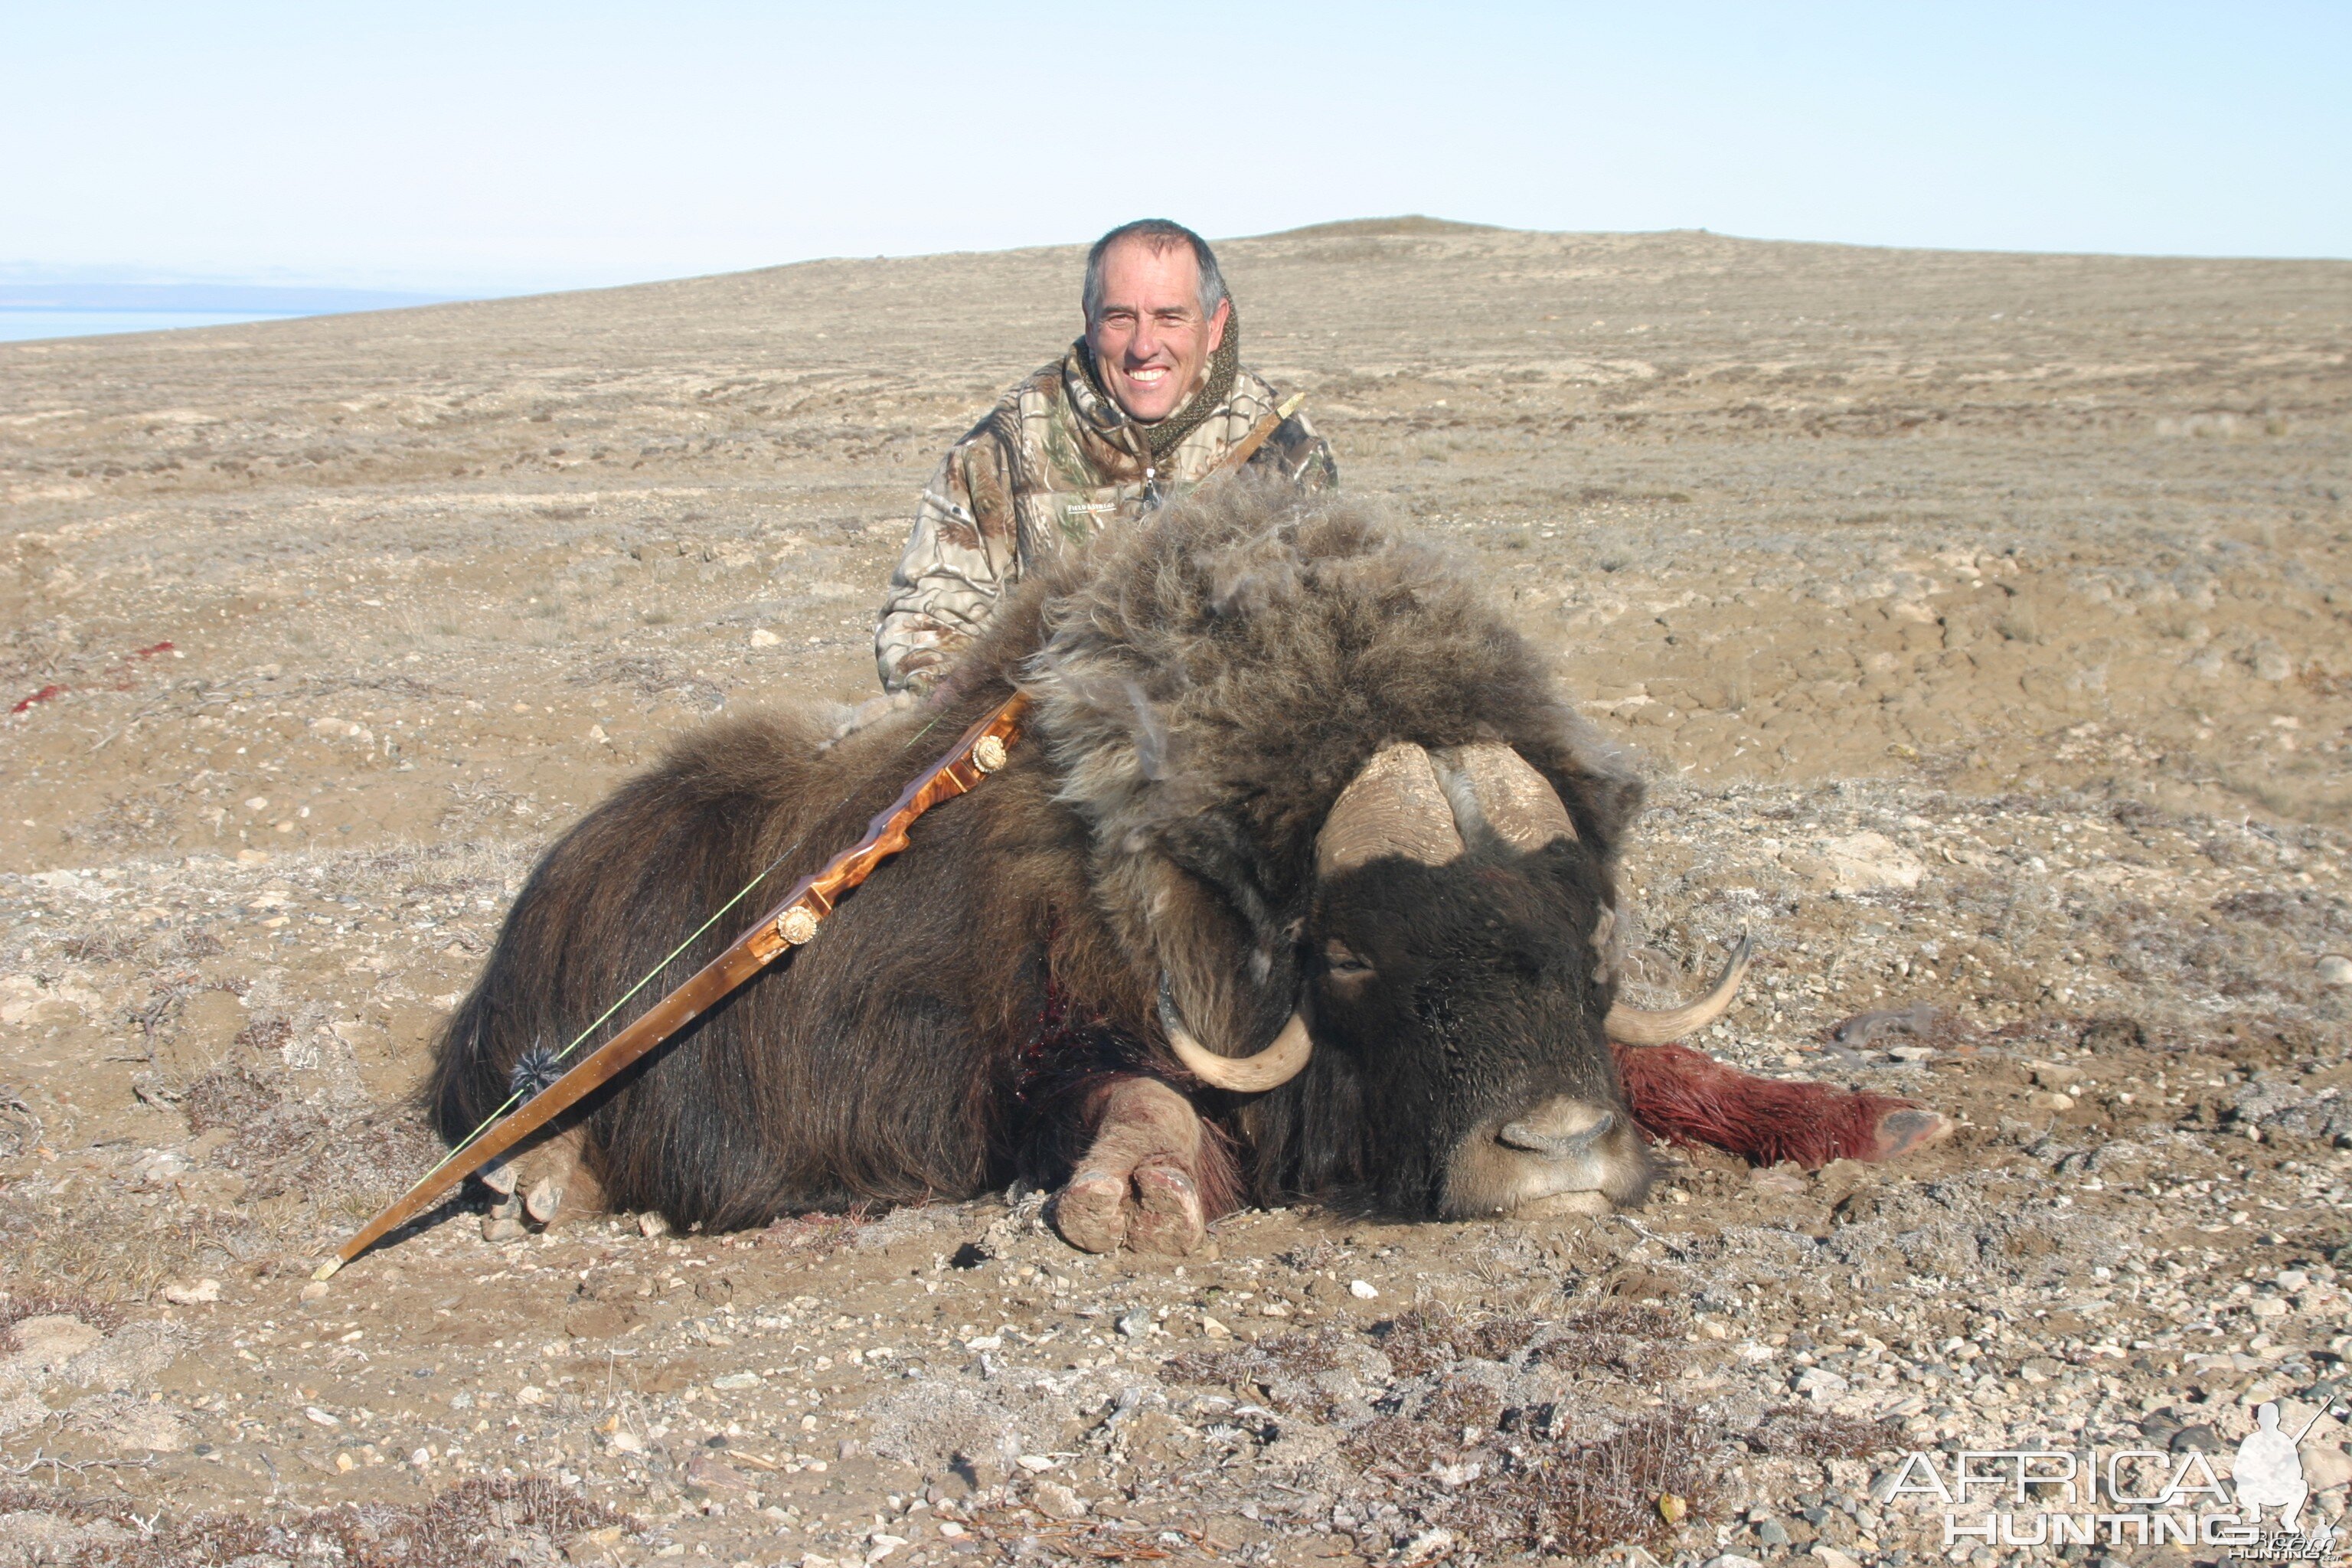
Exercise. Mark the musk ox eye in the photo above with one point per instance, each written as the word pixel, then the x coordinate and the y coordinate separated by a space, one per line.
pixel 1343 962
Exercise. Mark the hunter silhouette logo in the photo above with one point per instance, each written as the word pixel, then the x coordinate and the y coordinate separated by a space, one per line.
pixel 2269 1471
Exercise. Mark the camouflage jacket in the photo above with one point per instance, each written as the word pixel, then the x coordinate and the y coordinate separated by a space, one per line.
pixel 1051 466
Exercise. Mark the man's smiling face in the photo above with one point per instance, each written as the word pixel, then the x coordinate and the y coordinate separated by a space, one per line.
pixel 1150 343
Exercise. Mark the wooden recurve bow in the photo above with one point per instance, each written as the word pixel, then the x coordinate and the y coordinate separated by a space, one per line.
pixel 980 751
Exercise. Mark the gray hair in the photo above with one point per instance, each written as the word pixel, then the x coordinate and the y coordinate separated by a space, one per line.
pixel 1160 235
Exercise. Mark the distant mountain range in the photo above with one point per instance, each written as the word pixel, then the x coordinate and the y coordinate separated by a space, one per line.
pixel 206 299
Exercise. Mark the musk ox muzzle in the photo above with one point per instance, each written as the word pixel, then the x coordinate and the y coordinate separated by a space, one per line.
pixel 1534 1117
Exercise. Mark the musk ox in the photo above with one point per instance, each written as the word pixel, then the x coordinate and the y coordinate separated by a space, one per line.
pixel 1299 885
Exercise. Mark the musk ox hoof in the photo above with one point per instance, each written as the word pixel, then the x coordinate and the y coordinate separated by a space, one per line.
pixel 1155 1207
pixel 503 1224
pixel 1900 1132
pixel 545 1200
pixel 1168 1220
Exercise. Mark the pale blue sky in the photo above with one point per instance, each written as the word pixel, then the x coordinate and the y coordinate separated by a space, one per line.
pixel 524 145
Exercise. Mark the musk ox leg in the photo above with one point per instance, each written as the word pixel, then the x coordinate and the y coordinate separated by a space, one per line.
pixel 547 1183
pixel 1684 1097
pixel 1151 1178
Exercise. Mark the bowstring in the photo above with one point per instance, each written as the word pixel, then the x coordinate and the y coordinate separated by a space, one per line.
pixel 515 1097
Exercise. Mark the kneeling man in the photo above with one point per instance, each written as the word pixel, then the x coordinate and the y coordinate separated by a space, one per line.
pixel 1144 406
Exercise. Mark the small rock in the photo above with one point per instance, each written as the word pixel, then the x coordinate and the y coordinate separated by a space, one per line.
pixel 1135 1322
pixel 1822 1385
pixel 2056 1075
pixel 530 1393
pixel 762 637
pixel 1913 1054
pixel 320 1416
pixel 2050 1099
pixel 52 1340
pixel 315 1290
pixel 194 1294
pixel 1432 1544
pixel 1363 1289
pixel 1869 862
pixel 1213 1329
pixel 650 1224
pixel 1035 1464
pixel 736 1381
pixel 2325 1467
pixel 1772 1533
pixel 1732 1560
pixel 1055 1500
pixel 2196 1440
pixel 2335 969
pixel 1784 1178
pixel 1830 1557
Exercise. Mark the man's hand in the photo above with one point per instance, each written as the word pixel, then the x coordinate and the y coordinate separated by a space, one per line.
pixel 875 708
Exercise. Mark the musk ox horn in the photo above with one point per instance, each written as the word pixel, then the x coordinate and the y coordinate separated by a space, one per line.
pixel 1642 1027
pixel 1276 1065
pixel 1517 801
pixel 1395 806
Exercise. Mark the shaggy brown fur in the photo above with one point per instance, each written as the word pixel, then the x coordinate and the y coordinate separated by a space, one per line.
pixel 1205 686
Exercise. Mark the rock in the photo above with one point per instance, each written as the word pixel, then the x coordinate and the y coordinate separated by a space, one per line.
pixel 1212 1328
pixel 194 1294
pixel 2335 969
pixel 651 1224
pixel 1430 1545
pixel 1055 1500
pixel 1772 1533
pixel 1870 862
pixel 762 637
pixel 2325 1467
pixel 2056 1075
pixel 315 1290
pixel 1135 1322
pixel 54 1338
pixel 1733 1559
pixel 1830 1557
pixel 1822 1385
pixel 2196 1440
pixel 1784 1178
pixel 1363 1289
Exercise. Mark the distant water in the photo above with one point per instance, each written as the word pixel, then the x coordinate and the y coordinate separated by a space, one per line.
pixel 16 326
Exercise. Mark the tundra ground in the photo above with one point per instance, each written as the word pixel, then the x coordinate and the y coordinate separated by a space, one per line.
pixel 1983 621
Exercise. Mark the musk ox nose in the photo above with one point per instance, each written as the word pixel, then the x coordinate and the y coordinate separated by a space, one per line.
pixel 1559 1129
pixel 1562 1155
